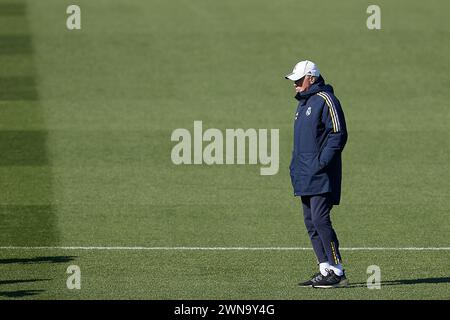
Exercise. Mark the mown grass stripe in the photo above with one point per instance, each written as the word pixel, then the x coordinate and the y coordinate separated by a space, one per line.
pixel 23 148
pixel 225 248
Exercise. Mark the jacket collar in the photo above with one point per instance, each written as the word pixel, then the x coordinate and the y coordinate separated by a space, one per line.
pixel 315 88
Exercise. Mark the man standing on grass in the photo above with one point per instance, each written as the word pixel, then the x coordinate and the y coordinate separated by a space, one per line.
pixel 320 135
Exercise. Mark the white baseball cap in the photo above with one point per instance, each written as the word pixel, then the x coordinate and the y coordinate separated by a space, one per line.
pixel 303 68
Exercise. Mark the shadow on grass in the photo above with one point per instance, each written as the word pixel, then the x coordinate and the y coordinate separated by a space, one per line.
pixel 16 44
pixel 18 87
pixel 404 282
pixel 2 282
pixel 12 9
pixel 20 293
pixel 23 148
pixel 50 259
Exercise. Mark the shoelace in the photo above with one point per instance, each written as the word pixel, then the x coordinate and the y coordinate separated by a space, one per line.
pixel 330 272
pixel 316 277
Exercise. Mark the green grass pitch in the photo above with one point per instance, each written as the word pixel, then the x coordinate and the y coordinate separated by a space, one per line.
pixel 86 118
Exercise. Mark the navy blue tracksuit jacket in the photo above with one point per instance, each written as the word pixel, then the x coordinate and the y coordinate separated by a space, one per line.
pixel 320 135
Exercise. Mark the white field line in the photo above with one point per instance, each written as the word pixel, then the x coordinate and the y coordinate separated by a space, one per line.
pixel 223 248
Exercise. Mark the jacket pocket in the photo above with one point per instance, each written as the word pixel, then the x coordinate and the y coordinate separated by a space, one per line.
pixel 307 164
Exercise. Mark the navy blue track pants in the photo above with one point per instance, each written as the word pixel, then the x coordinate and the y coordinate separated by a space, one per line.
pixel 316 213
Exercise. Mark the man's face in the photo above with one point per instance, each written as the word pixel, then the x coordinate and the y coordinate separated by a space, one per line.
pixel 302 84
